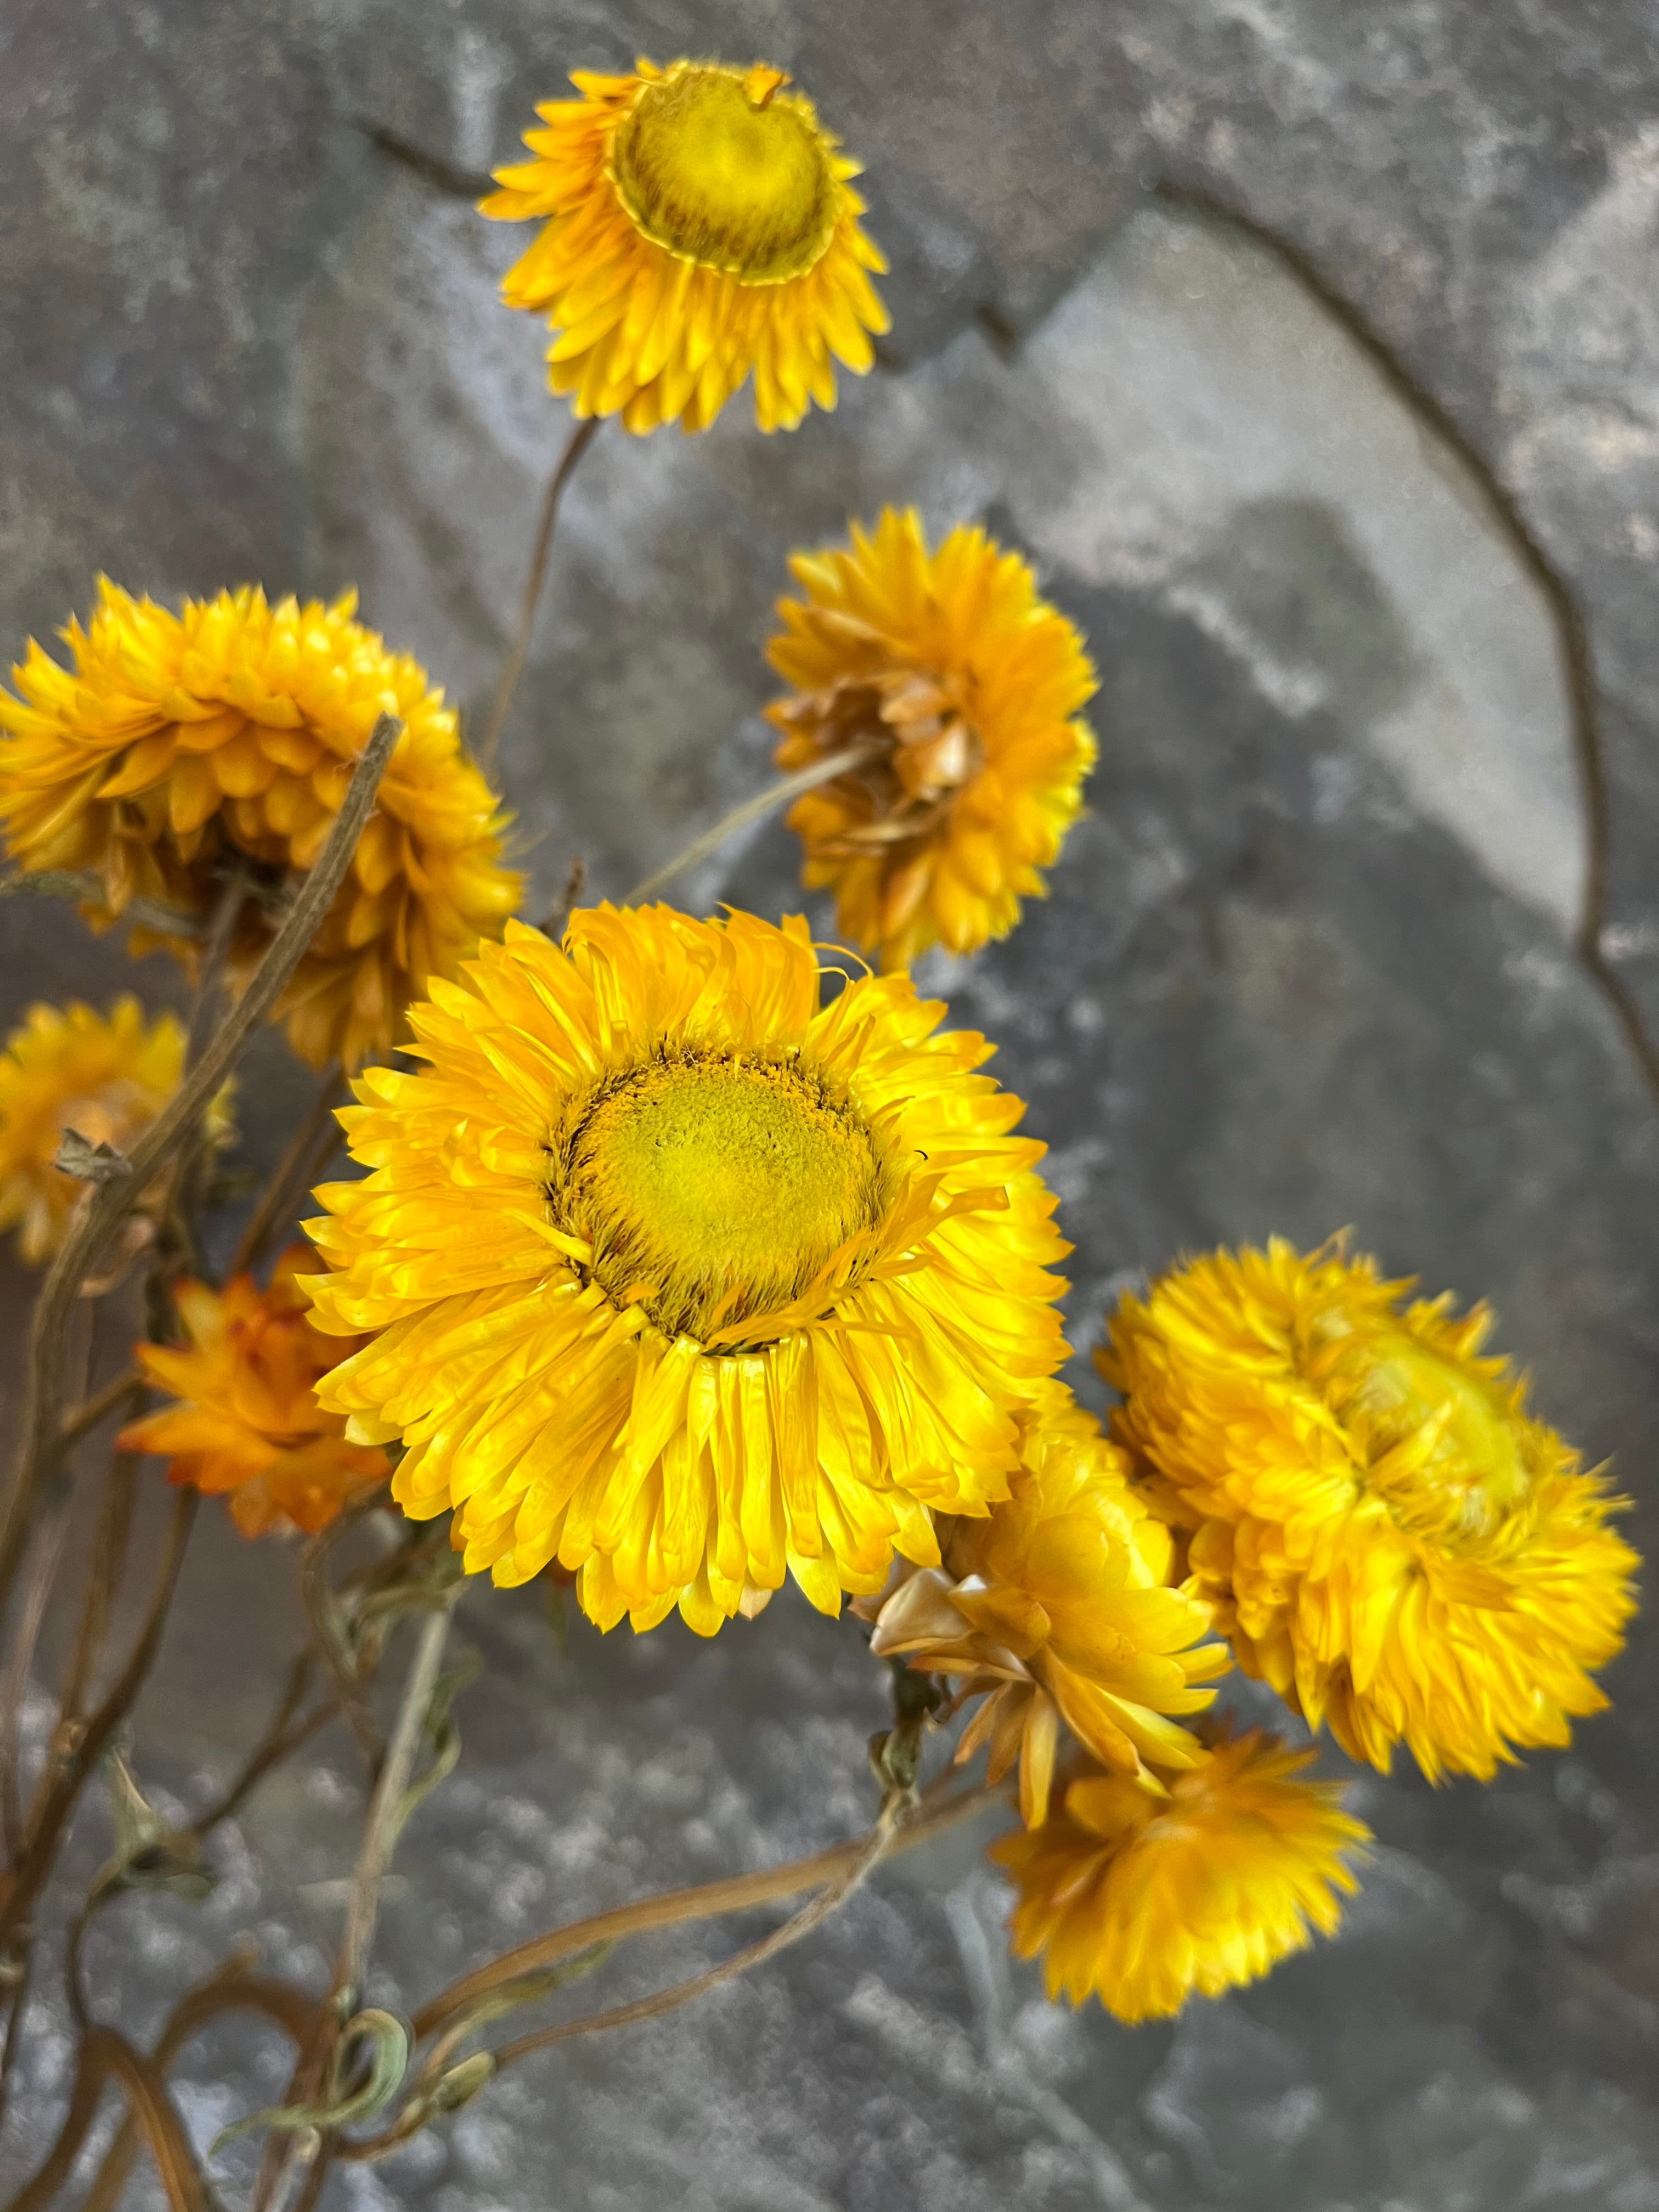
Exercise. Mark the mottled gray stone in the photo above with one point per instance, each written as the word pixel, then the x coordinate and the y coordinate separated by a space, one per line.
pixel 1307 963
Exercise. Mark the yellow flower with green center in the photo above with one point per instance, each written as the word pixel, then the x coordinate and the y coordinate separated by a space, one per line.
pixel 105 1076
pixel 698 223
pixel 1146 1900
pixel 957 694
pixel 1391 1539
pixel 681 1277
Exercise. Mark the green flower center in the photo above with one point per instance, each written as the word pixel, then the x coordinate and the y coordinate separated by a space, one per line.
pixel 1470 1464
pixel 714 1189
pixel 712 166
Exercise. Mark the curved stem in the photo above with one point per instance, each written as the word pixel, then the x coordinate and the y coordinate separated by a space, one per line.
pixel 580 438
pixel 875 1848
pixel 709 1900
pixel 755 810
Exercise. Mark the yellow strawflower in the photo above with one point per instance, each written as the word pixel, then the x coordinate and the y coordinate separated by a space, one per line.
pixel 1057 1607
pixel 175 745
pixel 684 1278
pixel 107 1077
pixel 963 690
pixel 1390 1538
pixel 247 1426
pixel 697 222
pixel 1143 1900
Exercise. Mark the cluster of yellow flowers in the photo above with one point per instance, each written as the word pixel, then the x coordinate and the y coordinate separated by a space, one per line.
pixel 671 1270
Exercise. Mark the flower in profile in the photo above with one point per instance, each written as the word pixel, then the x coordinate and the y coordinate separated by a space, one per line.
pixel 697 222
pixel 177 747
pixel 1391 1540
pixel 1057 1607
pixel 955 692
pixel 1142 1900
pixel 684 1278
pixel 107 1077
pixel 247 1424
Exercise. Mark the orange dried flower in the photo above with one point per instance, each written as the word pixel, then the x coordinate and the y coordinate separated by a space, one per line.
pixel 247 1424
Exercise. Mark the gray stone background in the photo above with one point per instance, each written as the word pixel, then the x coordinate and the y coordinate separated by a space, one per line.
pixel 1312 352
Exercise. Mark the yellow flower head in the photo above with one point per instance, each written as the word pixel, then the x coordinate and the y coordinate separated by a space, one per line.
pixel 1143 1899
pixel 684 1278
pixel 959 691
pixel 248 1424
pixel 697 222
pixel 1391 1540
pixel 179 744
pixel 106 1076
pixel 1057 1606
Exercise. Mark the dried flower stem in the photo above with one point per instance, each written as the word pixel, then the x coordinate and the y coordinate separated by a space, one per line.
pixel 709 1900
pixel 36 1591
pixel 873 1849
pixel 580 438
pixel 288 1729
pixel 40 1446
pixel 103 1575
pixel 210 961
pixel 62 1784
pixel 232 1987
pixel 301 1163
pixel 318 1600
pixel 75 1423
pixel 104 2054
pixel 754 810
pixel 385 1817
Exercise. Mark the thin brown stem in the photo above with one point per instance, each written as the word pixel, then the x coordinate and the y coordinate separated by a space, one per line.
pixel 565 905
pixel 104 1574
pixel 106 2056
pixel 385 1817
pixel 754 810
pixel 37 1590
pixel 318 1601
pixel 875 1848
pixel 87 1415
pixel 580 438
pixel 709 1900
pixel 60 1790
pixel 385 1811
pixel 294 1175
pixel 288 1729
pixel 17 1997
pixel 230 1988
pixel 210 961
pixel 40 1451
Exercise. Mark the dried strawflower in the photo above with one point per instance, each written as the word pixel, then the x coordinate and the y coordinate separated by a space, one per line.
pixel 178 746
pixel 248 1426
pixel 698 222
pixel 681 1277
pixel 1391 1540
pixel 958 689
pixel 1143 1900
pixel 1057 1606
pixel 104 1076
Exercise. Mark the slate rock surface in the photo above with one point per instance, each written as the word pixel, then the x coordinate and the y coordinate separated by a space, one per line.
pixel 1312 355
